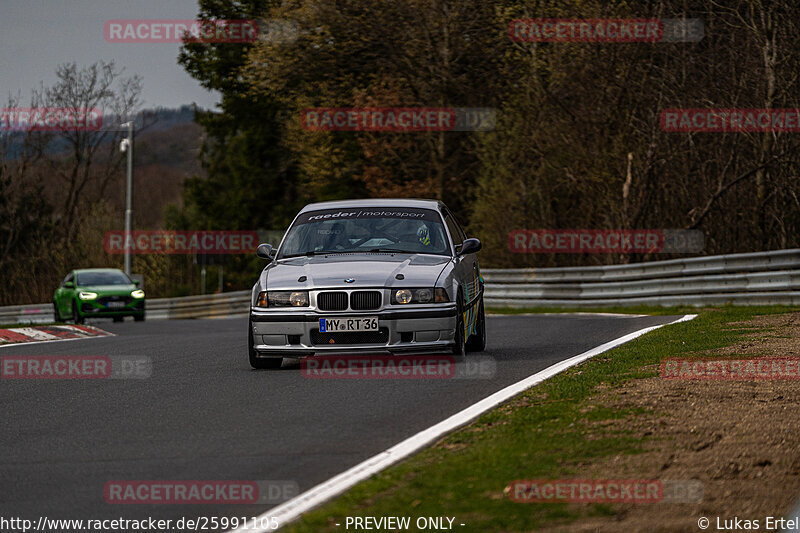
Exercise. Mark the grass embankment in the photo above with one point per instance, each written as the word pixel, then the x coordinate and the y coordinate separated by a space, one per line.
pixel 559 429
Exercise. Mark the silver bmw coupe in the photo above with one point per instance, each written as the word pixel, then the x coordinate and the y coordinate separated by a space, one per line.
pixel 391 276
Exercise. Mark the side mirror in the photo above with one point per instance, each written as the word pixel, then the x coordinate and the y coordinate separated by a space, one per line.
pixel 69 285
pixel 265 251
pixel 470 246
pixel 136 282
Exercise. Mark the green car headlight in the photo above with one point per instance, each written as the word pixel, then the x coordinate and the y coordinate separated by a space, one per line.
pixel 138 293
pixel 86 295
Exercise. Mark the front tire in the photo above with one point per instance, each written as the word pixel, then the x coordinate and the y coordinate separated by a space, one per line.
pixel 138 318
pixel 477 341
pixel 76 315
pixel 260 363
pixel 56 313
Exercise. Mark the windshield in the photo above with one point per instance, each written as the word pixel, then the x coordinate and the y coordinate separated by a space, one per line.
pixel 102 278
pixel 366 230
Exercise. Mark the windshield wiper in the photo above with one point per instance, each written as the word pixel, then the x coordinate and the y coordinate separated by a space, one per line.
pixel 314 252
pixel 390 250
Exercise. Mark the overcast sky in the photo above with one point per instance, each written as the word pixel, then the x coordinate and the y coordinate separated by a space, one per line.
pixel 38 35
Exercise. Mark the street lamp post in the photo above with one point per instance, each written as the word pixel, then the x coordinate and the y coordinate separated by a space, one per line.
pixel 127 146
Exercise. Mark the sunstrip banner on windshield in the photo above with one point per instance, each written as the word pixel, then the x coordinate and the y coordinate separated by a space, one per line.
pixel 332 215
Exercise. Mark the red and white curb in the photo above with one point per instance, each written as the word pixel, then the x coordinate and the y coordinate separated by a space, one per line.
pixel 12 336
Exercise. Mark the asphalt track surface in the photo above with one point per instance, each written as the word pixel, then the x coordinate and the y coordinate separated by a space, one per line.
pixel 204 414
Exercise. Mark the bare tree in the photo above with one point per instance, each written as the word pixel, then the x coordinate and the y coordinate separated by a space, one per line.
pixel 100 87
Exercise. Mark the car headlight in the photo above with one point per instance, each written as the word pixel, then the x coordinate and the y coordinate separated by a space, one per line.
pixel 86 295
pixel 282 299
pixel 403 296
pixel 138 293
pixel 419 296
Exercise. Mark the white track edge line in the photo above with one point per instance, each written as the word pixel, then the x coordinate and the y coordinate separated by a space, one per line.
pixel 792 515
pixel 570 313
pixel 315 496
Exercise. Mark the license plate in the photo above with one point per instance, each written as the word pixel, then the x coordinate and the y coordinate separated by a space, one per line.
pixel 363 323
pixel 115 305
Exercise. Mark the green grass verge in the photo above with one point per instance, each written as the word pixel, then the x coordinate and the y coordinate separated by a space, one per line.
pixel 633 310
pixel 540 434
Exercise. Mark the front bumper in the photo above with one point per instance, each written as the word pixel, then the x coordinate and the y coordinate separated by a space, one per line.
pixel 418 330
pixel 92 308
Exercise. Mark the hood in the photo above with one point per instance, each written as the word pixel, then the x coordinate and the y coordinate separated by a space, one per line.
pixel 368 270
pixel 109 289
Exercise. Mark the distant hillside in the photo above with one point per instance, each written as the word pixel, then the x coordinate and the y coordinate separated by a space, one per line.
pixel 177 146
pixel 165 118
pixel 166 153
pixel 152 120
pixel 167 148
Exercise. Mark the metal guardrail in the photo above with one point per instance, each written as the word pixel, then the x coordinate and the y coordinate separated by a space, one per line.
pixel 714 264
pixel 26 314
pixel 763 278
pixel 229 304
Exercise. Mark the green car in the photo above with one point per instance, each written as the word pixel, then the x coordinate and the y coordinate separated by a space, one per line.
pixel 98 292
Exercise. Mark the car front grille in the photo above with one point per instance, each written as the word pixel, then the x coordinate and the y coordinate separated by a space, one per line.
pixel 365 300
pixel 349 337
pixel 100 305
pixel 105 299
pixel 332 301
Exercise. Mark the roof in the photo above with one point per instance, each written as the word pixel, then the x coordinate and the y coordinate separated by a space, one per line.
pixel 375 202
pixel 98 270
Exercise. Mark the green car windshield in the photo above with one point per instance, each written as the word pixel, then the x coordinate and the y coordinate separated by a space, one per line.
pixel 85 279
